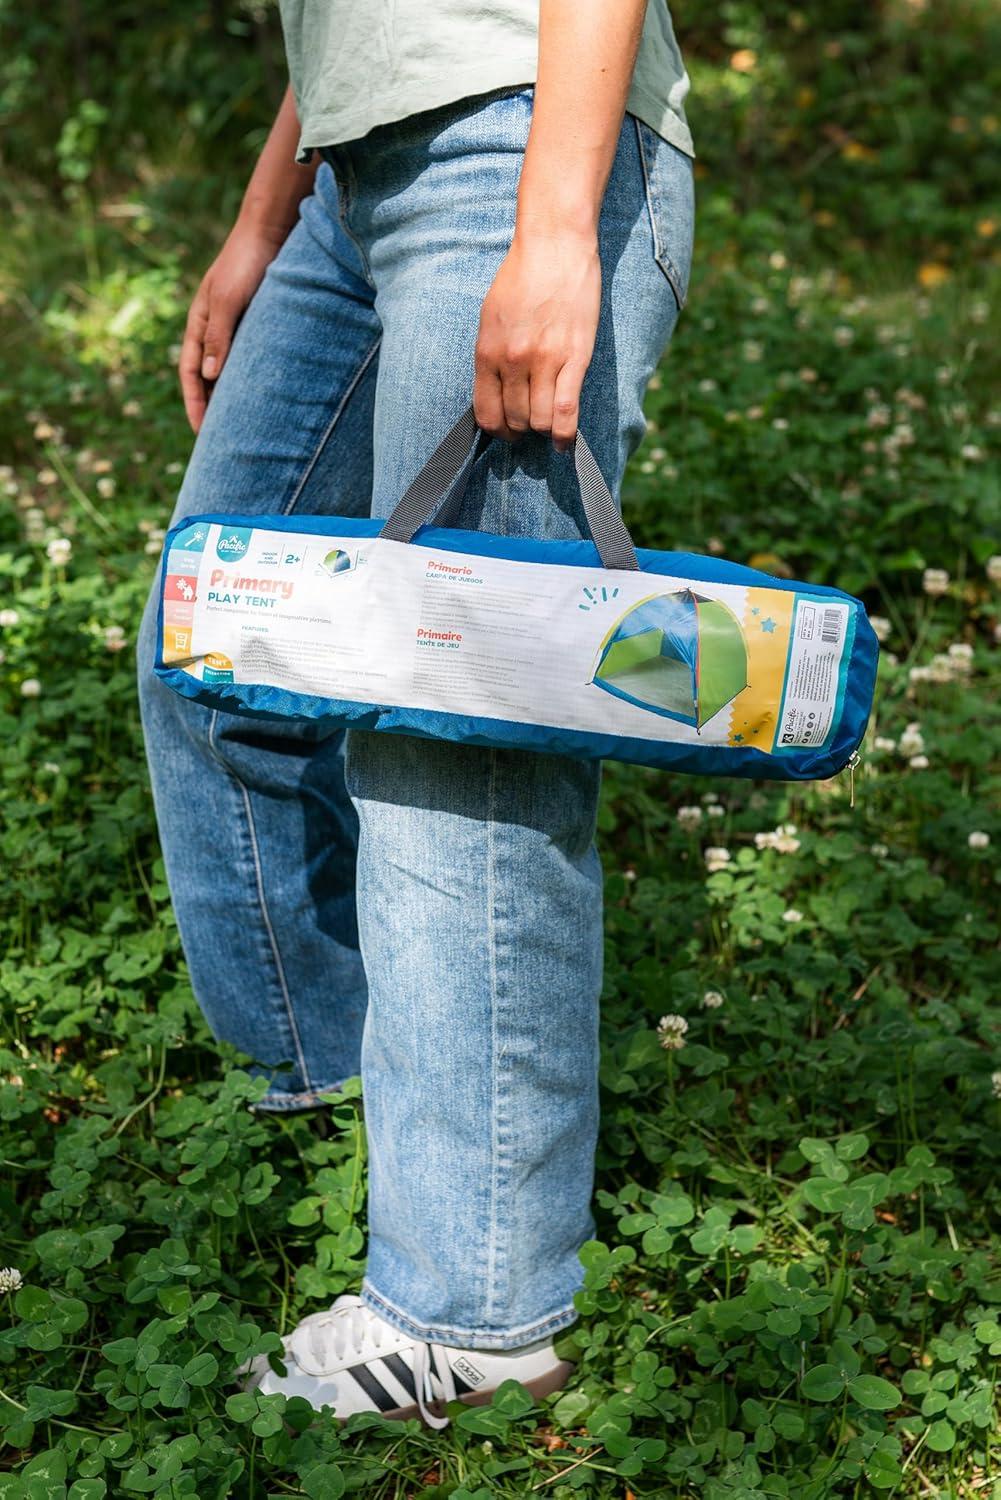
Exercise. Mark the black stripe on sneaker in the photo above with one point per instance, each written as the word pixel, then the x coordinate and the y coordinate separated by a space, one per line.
pixel 373 1389
pixel 398 1367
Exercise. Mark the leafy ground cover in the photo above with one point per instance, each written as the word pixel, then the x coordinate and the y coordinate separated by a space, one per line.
pixel 795 1288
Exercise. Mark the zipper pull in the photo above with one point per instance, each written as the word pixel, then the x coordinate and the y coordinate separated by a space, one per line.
pixel 850 765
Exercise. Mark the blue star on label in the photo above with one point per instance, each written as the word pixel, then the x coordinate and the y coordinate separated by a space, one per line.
pixel 738 739
pixel 755 610
pixel 768 625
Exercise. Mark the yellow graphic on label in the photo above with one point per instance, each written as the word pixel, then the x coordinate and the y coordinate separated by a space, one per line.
pixel 218 667
pixel 765 623
pixel 177 643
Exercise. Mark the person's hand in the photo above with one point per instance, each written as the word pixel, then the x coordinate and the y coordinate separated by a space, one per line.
pixel 536 337
pixel 219 304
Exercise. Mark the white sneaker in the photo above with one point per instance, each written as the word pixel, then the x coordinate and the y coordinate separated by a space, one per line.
pixel 352 1360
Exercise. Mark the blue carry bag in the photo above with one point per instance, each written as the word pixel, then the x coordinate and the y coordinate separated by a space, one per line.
pixel 582 648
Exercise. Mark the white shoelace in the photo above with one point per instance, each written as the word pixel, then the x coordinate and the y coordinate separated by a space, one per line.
pixel 324 1339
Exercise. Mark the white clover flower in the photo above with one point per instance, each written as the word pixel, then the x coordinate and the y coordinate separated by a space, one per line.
pixel 174 468
pixel 689 817
pixel 714 544
pixel 978 840
pixel 707 386
pixel 712 999
pixel 792 915
pixel 106 487
pixel 780 424
pixel 919 763
pixel 992 568
pixel 30 687
pixel 116 380
pixel 52 767
pixel 760 306
pixel 671 1032
pixel 59 551
pixel 708 797
pixel 878 416
pixel 754 413
pixel 47 476
pixel 884 743
pixel 783 839
pixel 912 740
pixel 752 351
pixel 44 431
pixel 996 1084
pixel 807 376
pixel 716 859
pixel 9 616
pixel 131 409
pixel 11 1279
pixel 935 582
pixel 101 466
pixel 879 851
pixel 843 335
pixel 114 638
pixel 961 651
pixel 715 810
pixel 777 261
pixel 972 453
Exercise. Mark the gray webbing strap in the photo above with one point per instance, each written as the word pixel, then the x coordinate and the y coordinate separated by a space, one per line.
pixel 436 494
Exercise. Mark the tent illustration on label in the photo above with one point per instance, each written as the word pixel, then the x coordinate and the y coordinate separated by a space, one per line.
pixel 681 655
pixel 336 562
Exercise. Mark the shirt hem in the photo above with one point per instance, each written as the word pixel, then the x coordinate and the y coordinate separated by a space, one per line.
pixel 324 129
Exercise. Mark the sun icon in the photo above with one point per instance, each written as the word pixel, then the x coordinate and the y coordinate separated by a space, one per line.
pixel 597 596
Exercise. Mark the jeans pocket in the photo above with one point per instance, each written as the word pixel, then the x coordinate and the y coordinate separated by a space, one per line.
pixel 670 195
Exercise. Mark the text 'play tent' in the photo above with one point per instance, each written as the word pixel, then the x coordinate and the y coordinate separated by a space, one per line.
pixel 681 655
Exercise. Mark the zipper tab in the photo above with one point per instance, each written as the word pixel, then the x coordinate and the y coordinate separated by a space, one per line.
pixel 850 765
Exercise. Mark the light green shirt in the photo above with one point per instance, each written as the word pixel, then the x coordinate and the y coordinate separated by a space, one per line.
pixel 355 64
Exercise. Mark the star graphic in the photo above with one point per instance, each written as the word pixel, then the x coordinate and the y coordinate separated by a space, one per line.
pixel 755 610
pixel 768 625
pixel 738 739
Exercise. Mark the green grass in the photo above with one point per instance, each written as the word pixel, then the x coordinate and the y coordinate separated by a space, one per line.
pixel 796 1287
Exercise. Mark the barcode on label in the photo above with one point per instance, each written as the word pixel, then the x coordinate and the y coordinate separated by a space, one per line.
pixel 830 629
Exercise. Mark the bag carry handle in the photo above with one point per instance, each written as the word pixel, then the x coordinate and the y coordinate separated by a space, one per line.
pixel 436 494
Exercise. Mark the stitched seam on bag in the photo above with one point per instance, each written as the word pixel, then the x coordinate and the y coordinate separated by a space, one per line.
pixel 660 255
pixel 262 900
pixel 290 506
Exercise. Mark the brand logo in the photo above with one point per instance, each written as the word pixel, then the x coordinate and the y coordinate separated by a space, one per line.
pixel 468 1372
pixel 233 543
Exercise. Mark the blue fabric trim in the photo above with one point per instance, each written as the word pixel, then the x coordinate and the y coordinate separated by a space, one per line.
pixel 795 764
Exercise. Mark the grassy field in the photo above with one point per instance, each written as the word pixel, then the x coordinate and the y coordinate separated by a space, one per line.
pixel 796 1290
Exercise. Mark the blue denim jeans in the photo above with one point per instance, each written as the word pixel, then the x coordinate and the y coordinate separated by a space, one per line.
pixel 427 914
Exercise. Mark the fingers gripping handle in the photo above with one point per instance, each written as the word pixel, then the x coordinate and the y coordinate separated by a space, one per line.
pixel 436 494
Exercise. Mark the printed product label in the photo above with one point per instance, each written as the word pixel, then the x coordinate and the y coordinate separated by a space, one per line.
pixel 633 654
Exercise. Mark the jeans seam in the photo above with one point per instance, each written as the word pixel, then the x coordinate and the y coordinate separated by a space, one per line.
pixel 262 901
pixel 491 891
pixel 660 255
pixel 293 501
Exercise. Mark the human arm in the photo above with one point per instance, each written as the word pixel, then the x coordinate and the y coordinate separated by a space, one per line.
pixel 268 211
pixel 540 317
